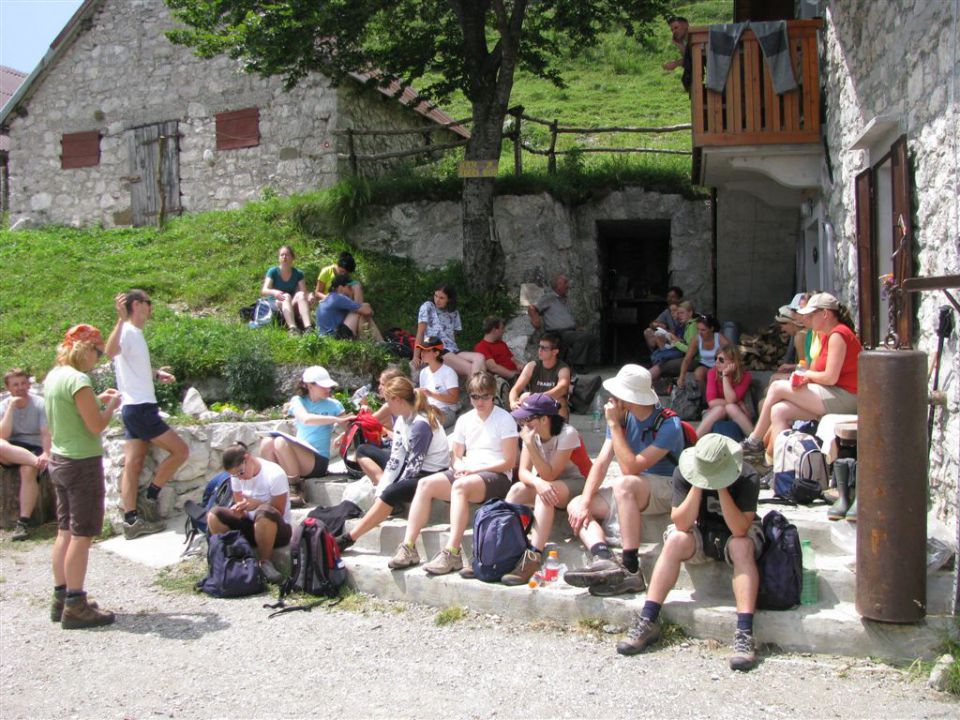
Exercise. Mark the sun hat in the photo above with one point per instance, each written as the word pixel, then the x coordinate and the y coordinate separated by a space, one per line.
pixel 787 314
pixel 82 333
pixel 318 375
pixel 820 301
pixel 536 404
pixel 713 463
pixel 632 384
pixel 432 343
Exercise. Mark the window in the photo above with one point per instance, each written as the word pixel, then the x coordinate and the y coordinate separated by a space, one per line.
pixel 238 129
pixel 80 150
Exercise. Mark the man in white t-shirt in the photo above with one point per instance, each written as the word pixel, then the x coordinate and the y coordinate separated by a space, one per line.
pixel 261 508
pixel 141 416
pixel 439 382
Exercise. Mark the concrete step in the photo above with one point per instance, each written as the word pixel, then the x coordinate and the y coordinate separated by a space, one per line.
pixel 828 627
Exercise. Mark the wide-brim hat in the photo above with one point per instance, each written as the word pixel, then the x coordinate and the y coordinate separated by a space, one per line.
pixel 432 343
pixel 632 384
pixel 820 301
pixel 536 405
pixel 713 463
pixel 317 375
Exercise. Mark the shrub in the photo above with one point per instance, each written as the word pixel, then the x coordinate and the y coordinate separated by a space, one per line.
pixel 250 374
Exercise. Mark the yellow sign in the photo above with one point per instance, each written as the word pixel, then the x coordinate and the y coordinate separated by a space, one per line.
pixel 478 169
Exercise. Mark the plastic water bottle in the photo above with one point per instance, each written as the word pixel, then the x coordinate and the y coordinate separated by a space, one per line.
pixel 551 568
pixel 809 590
pixel 597 414
pixel 360 395
pixel 536 581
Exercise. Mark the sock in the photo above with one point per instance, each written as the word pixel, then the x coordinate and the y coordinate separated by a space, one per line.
pixel 130 517
pixel 60 591
pixel 24 520
pixel 601 551
pixel 651 610
pixel 745 622
pixel 453 550
pixel 631 560
pixel 75 593
pixel 153 491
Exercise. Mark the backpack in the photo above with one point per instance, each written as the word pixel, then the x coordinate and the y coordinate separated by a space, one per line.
pixel 400 342
pixel 316 566
pixel 685 401
pixel 217 493
pixel 262 314
pixel 499 538
pixel 799 468
pixel 232 567
pixel 780 565
pixel 364 429
pixel 689 431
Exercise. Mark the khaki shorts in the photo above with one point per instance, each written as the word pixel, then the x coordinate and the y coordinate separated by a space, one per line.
pixel 836 400
pixel 661 498
pixel 755 533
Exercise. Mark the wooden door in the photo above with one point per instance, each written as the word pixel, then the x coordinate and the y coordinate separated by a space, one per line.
pixel 154 152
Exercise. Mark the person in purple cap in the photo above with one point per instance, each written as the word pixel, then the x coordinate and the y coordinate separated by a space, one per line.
pixel 548 476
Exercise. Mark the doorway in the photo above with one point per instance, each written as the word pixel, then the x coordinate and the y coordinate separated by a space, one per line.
pixel 635 275
pixel 154 152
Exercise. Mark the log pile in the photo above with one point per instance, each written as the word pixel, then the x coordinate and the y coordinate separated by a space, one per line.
pixel 765 350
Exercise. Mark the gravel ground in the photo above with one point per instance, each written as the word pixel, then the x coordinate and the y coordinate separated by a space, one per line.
pixel 377 659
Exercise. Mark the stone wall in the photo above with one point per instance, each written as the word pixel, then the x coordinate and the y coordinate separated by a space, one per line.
pixel 122 73
pixel 900 58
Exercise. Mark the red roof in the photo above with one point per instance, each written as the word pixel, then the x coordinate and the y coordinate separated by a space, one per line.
pixel 10 80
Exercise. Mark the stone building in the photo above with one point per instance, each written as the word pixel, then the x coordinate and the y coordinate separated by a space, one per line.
pixel 10 80
pixel 118 126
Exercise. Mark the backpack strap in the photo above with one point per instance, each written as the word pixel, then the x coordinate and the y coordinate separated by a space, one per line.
pixel 662 416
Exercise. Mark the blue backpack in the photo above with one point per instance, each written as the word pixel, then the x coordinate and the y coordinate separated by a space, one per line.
pixel 780 565
pixel 233 569
pixel 217 493
pixel 499 538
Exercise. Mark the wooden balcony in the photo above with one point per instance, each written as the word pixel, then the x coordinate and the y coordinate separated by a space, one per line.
pixel 748 111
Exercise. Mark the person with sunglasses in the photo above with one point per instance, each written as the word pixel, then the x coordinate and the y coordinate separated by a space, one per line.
pixel 484 455
pixel 261 506
pixel 142 423
pixel 547 374
pixel 727 386
pixel 76 418
pixel 439 382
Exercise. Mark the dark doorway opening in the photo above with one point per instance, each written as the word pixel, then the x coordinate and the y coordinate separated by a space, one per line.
pixel 635 271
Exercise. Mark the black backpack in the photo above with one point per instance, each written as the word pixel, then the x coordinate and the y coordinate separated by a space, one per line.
pixel 217 493
pixel 316 566
pixel 233 569
pixel 780 565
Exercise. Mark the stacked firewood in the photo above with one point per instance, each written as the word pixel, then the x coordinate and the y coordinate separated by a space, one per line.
pixel 764 350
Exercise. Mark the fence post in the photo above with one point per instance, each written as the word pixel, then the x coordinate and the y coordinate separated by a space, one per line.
pixel 552 157
pixel 352 153
pixel 517 148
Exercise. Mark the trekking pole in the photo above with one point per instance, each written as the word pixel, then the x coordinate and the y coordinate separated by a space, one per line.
pixel 944 329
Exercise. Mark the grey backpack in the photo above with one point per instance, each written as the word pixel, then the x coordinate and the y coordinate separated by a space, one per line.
pixel 685 401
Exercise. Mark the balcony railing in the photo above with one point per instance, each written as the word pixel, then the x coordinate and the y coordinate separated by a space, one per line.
pixel 748 111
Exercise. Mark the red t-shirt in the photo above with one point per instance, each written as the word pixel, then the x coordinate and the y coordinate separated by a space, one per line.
pixel 498 352
pixel 848 371
pixel 715 386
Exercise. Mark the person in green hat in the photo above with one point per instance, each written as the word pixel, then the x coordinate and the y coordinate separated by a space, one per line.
pixel 714 518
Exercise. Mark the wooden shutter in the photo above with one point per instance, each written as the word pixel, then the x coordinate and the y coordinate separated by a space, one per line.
pixel 238 129
pixel 902 188
pixel 79 150
pixel 866 264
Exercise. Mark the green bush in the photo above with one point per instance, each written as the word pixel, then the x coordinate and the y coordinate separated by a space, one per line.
pixel 251 374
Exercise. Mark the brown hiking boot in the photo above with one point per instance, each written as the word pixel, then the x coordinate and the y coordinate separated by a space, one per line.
pixel 642 635
pixel 404 557
pixel 56 605
pixel 79 614
pixel 744 655
pixel 601 571
pixel 527 567
pixel 631 583
pixel 148 509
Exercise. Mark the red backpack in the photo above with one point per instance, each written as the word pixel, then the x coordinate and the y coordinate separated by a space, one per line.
pixel 364 429
pixel 689 432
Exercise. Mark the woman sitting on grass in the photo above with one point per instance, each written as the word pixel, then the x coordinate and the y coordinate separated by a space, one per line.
pixel 285 288
pixel 439 317
pixel 727 386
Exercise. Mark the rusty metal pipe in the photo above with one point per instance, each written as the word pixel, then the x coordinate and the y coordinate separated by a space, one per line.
pixel 892 485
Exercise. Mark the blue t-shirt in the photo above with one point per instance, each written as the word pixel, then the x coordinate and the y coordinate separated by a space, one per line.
pixel 317 436
pixel 669 437
pixel 288 286
pixel 332 310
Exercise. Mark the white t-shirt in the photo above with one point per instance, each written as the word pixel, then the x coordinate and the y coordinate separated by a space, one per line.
pixel 440 381
pixel 568 439
pixel 132 365
pixel 264 486
pixel 483 439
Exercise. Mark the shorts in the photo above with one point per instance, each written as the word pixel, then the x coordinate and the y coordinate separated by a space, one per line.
pixel 35 449
pixel 496 485
pixel 245 523
pixel 143 422
pixel 755 533
pixel 660 503
pixel 320 464
pixel 343 333
pixel 835 399
pixel 80 491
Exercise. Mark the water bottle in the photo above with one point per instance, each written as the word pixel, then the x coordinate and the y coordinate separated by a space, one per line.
pixel 808 593
pixel 597 414
pixel 360 395
pixel 551 568
pixel 536 581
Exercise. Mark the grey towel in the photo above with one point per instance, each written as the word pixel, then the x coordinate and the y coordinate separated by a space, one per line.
pixel 774 44
pixel 721 44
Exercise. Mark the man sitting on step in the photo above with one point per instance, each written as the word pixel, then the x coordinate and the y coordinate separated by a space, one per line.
pixel 714 518
pixel 647 458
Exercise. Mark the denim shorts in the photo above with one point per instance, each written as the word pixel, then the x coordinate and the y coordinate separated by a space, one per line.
pixel 143 422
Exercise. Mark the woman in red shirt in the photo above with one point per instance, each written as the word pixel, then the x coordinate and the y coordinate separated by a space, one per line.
pixel 830 386
pixel 727 385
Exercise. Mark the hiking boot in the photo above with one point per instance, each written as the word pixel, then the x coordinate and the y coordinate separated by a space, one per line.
pixel 20 531
pixel 467 572
pixel 744 655
pixel 642 635
pixel 631 583
pixel 405 556
pixel 752 447
pixel 270 572
pixel 296 496
pixel 527 567
pixel 142 526
pixel 345 541
pixel 56 605
pixel 444 562
pixel 601 571
pixel 148 509
pixel 79 614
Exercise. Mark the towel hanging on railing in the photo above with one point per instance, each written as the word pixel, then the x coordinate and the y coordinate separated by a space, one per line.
pixel 774 44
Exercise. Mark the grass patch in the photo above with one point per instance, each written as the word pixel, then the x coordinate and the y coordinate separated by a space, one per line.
pixel 919 670
pixel 182 577
pixel 452 614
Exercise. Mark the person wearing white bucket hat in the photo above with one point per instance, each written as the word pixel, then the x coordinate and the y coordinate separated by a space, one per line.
pixel 714 518
pixel 646 445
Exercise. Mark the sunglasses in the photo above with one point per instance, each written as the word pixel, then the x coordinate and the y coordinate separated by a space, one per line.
pixel 474 396
pixel 545 348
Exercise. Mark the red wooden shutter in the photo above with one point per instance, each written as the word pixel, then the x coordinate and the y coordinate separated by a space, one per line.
pixel 238 129
pixel 902 188
pixel 79 150
pixel 866 274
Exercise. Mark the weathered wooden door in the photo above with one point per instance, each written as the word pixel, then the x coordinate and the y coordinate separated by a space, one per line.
pixel 154 152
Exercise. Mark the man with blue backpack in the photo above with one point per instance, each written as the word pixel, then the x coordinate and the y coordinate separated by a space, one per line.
pixel 645 439
pixel 714 518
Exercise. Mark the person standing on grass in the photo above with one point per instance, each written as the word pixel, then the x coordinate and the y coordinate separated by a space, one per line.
pixel 77 417
pixel 142 423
